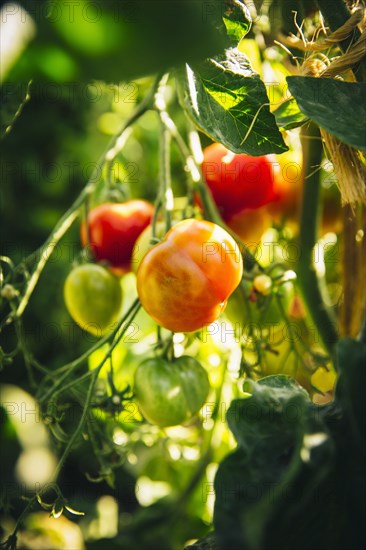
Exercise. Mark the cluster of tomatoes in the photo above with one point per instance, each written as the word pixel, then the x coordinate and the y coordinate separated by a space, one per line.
pixel 92 291
pixel 240 185
pixel 183 283
pixel 185 280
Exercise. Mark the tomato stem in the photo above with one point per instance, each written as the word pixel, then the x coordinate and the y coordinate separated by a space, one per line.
pixel 165 189
pixel 311 287
pixel 71 367
pixel 117 334
pixel 165 195
pixel 66 221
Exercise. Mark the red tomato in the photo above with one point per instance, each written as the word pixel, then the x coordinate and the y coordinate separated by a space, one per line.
pixel 237 182
pixel 114 228
pixel 184 281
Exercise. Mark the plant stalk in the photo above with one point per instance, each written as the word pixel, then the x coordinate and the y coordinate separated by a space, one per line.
pixel 312 288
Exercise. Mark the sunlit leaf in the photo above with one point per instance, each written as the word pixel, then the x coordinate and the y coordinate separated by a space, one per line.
pixel 226 89
pixel 288 115
pixel 237 20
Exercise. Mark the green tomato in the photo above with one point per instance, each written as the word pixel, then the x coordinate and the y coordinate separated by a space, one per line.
pixel 143 243
pixel 93 297
pixel 170 392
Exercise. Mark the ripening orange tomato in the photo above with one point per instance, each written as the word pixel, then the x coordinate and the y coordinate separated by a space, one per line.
pixel 185 281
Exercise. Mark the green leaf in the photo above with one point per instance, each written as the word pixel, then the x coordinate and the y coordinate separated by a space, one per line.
pixel 228 101
pixel 289 116
pixel 336 106
pixel 290 473
pixel 284 451
pixel 271 413
pixel 237 20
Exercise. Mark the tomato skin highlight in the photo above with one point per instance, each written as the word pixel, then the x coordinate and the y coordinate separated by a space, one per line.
pixel 237 181
pixel 93 297
pixel 170 392
pixel 114 229
pixel 184 282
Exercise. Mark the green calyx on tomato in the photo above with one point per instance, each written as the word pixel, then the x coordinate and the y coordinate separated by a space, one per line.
pixel 170 392
pixel 113 229
pixel 93 297
pixel 185 281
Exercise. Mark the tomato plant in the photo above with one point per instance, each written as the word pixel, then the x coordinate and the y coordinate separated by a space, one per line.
pixel 93 297
pixel 113 228
pixel 170 392
pixel 184 281
pixel 239 258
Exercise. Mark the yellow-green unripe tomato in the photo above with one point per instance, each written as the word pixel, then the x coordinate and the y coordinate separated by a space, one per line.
pixel 263 284
pixel 143 243
pixel 169 393
pixel 93 297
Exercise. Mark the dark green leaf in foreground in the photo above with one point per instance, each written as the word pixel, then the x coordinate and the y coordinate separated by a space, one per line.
pixel 285 486
pixel 237 20
pixel 120 39
pixel 289 116
pixel 351 386
pixel 336 106
pixel 271 414
pixel 226 89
